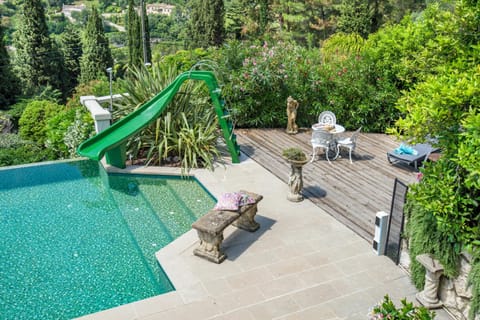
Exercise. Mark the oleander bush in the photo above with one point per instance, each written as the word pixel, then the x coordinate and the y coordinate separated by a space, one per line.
pixel 260 77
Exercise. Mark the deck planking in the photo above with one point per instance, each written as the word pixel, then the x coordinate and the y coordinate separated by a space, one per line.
pixel 351 193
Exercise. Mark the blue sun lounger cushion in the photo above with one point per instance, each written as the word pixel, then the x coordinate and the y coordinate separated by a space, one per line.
pixel 411 155
pixel 404 149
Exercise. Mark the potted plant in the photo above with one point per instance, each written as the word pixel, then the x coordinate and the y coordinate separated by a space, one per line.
pixel 297 159
pixel 294 154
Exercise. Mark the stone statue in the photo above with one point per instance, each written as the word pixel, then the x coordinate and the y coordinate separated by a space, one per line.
pixel 292 106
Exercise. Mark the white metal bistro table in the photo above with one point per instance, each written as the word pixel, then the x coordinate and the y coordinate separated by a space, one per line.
pixel 321 126
pixel 334 130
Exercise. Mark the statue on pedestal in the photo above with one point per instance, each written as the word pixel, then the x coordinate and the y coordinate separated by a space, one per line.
pixel 292 106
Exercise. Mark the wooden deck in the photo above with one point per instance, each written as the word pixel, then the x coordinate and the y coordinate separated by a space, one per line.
pixel 352 193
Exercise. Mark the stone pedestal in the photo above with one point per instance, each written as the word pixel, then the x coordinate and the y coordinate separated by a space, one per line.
pixel 295 182
pixel 434 270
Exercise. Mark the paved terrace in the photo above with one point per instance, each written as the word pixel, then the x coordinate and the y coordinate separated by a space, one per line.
pixel 301 264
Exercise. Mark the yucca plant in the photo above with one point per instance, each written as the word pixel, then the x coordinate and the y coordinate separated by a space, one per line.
pixel 188 127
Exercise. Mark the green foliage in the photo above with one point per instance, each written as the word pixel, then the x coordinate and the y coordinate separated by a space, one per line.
pixel 388 310
pixel 187 131
pixel 415 48
pixel 34 120
pixel 442 103
pixel 475 285
pixel 258 90
pixel 355 17
pixel 96 56
pixel 351 87
pixel 15 151
pixel 358 94
pixel 206 25
pixel 78 131
pixel 41 69
pixel 96 88
pixel 8 86
pixel 447 107
pixel 135 52
pixel 56 128
pixel 295 154
pixel 184 60
pixel 71 48
pixel 342 45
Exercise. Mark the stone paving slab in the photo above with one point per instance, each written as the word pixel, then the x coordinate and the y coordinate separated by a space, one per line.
pixel 300 264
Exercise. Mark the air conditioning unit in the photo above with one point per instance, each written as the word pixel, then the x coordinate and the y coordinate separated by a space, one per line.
pixel 381 227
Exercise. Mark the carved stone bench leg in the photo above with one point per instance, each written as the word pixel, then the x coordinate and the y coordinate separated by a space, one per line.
pixel 246 221
pixel 209 247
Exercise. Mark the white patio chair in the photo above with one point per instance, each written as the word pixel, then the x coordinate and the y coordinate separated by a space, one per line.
pixel 322 139
pixel 349 143
pixel 327 117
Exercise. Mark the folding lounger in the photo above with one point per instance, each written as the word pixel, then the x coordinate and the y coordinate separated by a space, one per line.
pixel 423 150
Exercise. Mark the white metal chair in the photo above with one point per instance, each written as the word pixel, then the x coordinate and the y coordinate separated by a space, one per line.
pixel 327 117
pixel 322 139
pixel 349 143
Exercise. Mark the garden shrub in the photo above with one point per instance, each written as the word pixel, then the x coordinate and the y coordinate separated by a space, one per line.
pixel 386 309
pixel 79 130
pixel 257 89
pixel 413 49
pixel 357 92
pixel 358 95
pixel 56 127
pixel 34 120
pixel 14 151
pixel 443 214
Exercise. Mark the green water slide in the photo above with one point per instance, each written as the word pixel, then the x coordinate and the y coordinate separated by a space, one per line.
pixel 111 142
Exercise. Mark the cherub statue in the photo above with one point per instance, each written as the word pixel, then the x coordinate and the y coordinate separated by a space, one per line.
pixel 292 106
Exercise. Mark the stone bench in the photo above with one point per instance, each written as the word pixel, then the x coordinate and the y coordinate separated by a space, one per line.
pixel 210 227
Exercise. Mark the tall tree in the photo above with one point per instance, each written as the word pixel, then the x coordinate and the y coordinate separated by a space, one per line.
pixel 263 16
pixel 235 16
pixel 97 56
pixel 36 61
pixel 322 16
pixel 206 23
pixel 355 17
pixel 8 87
pixel 146 35
pixel 71 47
pixel 134 40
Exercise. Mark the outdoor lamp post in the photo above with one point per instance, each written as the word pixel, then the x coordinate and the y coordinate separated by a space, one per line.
pixel 110 70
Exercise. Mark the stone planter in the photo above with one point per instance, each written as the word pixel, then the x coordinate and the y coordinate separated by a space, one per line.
pixel 295 182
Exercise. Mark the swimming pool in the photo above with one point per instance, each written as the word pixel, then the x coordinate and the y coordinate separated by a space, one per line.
pixel 76 240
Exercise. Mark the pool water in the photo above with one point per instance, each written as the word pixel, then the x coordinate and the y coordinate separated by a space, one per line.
pixel 76 240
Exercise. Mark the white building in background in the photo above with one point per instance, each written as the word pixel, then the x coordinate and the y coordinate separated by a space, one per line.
pixel 68 9
pixel 159 8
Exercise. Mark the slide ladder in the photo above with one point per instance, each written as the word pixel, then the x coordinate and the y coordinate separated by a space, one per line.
pixel 111 142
